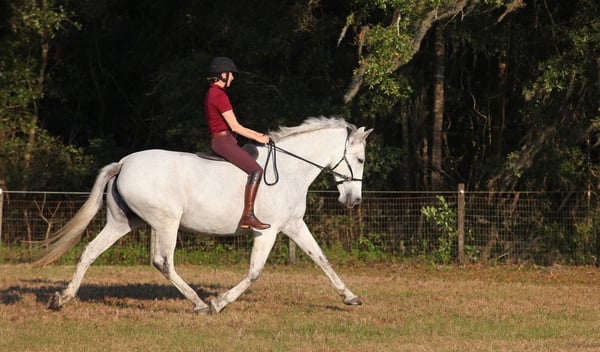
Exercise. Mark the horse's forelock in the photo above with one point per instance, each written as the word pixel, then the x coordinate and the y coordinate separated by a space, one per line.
pixel 309 125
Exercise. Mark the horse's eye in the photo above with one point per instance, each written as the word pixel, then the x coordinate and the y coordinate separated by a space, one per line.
pixel 361 161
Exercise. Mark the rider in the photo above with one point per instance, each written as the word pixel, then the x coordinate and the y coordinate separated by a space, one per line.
pixel 221 123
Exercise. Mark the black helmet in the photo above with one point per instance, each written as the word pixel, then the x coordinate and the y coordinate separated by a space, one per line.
pixel 221 64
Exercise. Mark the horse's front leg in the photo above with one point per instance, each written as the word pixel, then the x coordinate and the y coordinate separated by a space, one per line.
pixel 263 243
pixel 300 234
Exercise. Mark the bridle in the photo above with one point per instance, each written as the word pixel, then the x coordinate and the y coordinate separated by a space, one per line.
pixel 273 152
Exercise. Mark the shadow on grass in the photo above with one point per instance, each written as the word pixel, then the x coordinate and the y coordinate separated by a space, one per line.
pixel 43 289
pixel 120 294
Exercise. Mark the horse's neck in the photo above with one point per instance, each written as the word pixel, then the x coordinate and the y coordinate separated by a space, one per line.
pixel 316 148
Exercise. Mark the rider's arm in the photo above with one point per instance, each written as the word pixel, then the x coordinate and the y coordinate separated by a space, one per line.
pixel 236 127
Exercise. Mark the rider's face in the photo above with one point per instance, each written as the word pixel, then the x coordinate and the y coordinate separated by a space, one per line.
pixel 229 77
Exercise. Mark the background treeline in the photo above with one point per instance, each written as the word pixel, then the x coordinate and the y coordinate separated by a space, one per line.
pixel 499 95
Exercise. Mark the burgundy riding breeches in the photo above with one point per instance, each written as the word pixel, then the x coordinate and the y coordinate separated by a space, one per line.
pixel 225 145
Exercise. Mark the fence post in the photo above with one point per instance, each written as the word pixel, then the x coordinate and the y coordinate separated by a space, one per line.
pixel 1 210
pixel 292 251
pixel 461 223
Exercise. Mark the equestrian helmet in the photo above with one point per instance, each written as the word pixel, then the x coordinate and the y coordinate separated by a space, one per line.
pixel 222 64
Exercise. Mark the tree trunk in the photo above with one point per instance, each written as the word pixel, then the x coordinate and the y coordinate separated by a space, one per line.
pixel 437 138
pixel 502 103
pixel 405 146
pixel 38 92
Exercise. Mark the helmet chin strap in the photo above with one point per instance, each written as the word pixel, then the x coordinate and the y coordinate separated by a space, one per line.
pixel 225 80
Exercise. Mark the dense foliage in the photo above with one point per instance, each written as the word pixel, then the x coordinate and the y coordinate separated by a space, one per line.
pixel 498 95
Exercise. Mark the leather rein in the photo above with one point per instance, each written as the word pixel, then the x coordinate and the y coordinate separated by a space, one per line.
pixel 273 152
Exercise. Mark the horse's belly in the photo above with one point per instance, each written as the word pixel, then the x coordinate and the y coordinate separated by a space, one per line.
pixel 211 222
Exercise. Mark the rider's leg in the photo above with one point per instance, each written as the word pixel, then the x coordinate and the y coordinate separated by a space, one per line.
pixel 248 217
pixel 227 147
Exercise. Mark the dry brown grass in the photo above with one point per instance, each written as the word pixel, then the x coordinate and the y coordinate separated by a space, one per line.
pixel 406 308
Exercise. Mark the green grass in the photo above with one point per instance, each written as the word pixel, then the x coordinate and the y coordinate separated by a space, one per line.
pixel 217 254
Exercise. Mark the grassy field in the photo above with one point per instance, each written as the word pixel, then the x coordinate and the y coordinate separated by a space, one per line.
pixel 406 308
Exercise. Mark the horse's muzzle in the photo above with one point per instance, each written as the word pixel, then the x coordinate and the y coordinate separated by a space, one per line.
pixel 350 201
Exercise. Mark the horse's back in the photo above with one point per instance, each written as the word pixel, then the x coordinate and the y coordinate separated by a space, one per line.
pixel 159 162
pixel 160 170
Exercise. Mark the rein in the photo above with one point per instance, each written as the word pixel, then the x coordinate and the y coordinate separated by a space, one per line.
pixel 272 154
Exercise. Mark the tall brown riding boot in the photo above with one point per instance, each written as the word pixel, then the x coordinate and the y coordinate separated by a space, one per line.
pixel 248 217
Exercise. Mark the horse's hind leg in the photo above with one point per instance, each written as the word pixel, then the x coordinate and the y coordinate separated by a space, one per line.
pixel 106 238
pixel 164 240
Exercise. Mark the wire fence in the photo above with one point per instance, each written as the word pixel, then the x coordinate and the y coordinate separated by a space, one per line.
pixel 442 227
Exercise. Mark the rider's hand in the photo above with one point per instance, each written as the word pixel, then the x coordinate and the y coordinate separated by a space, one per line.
pixel 264 139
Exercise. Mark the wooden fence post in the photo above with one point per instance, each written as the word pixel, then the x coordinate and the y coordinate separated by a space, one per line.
pixel 461 223
pixel 1 209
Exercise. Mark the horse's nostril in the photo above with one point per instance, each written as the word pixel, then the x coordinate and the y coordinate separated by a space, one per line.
pixel 351 202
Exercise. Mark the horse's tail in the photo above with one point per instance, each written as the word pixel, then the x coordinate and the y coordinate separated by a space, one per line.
pixel 67 237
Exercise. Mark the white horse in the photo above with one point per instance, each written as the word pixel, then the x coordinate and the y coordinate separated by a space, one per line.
pixel 175 190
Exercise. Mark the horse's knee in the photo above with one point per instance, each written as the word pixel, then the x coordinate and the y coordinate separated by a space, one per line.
pixel 161 263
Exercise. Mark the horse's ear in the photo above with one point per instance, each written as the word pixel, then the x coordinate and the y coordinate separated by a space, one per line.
pixel 364 134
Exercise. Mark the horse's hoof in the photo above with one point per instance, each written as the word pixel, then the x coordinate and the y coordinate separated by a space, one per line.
pixel 354 301
pixel 214 309
pixel 55 301
pixel 203 310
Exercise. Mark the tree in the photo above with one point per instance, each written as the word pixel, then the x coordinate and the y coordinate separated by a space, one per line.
pixel 28 151
pixel 555 80
pixel 388 47
pixel 438 109
pixel 390 34
pixel 518 94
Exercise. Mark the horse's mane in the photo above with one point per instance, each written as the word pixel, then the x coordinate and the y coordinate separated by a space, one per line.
pixel 309 125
